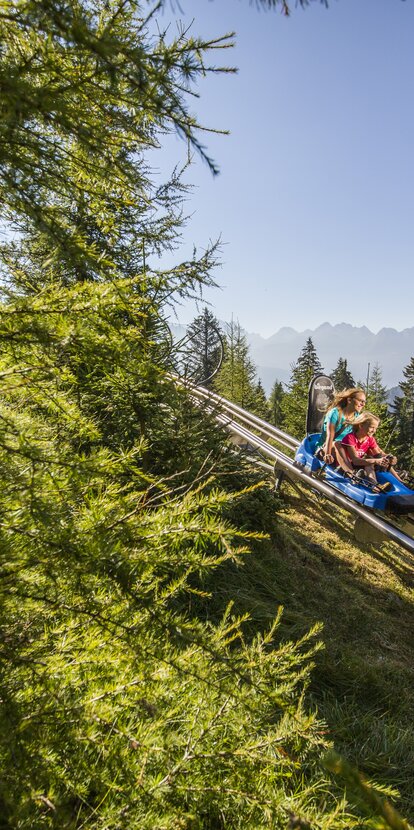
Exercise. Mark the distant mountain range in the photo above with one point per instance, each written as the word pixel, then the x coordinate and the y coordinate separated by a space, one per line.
pixel 274 355
pixel 390 348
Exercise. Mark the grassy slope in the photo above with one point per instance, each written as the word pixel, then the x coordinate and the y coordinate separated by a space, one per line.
pixel 363 681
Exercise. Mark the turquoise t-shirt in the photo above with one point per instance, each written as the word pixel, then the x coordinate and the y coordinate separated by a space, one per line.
pixel 333 416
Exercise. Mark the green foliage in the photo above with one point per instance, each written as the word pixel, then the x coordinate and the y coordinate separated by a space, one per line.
pixel 236 379
pixel 404 416
pixel 204 348
pixel 376 391
pixel 295 401
pixel 276 404
pixel 85 89
pixel 376 395
pixel 122 706
pixel 341 376
pixel 366 794
pixel 260 406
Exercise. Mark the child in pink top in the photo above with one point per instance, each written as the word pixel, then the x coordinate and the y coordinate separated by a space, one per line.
pixel 362 445
pixel 363 453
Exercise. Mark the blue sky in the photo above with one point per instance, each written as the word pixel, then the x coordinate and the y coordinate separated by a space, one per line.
pixel 315 199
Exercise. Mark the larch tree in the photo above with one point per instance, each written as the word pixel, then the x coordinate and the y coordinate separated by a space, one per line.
pixel 123 705
pixel 403 439
pixel 294 402
pixel 237 378
pixel 377 402
pixel 202 348
pixel 275 404
pixel 341 376
pixel 108 510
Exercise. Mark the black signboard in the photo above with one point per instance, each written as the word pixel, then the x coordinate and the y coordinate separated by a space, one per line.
pixel 321 392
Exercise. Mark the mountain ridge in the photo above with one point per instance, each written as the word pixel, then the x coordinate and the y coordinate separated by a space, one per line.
pixel 275 355
pixel 389 348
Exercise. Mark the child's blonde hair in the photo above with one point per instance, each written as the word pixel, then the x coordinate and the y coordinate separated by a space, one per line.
pixel 366 418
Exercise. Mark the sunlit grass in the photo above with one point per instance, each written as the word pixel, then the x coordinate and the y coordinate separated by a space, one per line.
pixel 363 681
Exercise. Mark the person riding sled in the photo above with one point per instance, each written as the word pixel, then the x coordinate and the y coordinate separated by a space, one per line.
pixel 363 455
pixel 342 413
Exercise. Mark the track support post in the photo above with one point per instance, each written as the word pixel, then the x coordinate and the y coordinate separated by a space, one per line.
pixel 279 476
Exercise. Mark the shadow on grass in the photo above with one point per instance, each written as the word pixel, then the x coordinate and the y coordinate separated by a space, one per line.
pixel 390 554
pixel 362 596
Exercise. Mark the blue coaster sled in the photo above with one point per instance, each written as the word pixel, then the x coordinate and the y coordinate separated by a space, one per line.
pixel 399 500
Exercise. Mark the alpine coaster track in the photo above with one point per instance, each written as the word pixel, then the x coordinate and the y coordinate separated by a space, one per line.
pixel 241 423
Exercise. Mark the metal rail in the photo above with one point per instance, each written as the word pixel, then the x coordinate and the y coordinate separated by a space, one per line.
pixel 283 461
pixel 243 415
pixel 226 414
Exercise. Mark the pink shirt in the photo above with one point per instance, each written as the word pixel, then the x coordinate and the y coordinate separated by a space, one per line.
pixel 367 445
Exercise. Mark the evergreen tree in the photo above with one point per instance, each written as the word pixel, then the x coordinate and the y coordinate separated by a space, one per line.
pixel 341 376
pixel 376 391
pixel 404 418
pixel 260 406
pixel 104 660
pixel 237 379
pixel 75 181
pixel 121 707
pixel 201 352
pixel 276 404
pixel 295 400
pixel 377 402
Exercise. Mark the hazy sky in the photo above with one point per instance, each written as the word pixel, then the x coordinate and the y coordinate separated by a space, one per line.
pixel 314 201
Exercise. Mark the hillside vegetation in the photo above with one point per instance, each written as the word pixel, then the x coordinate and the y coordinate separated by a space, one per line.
pixel 148 680
pixel 363 680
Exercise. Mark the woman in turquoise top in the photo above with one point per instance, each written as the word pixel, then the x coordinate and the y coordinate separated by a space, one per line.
pixel 343 411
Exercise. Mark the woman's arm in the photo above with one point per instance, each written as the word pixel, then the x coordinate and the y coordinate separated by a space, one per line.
pixel 330 435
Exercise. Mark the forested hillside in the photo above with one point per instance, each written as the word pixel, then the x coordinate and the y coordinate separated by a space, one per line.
pixel 137 690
